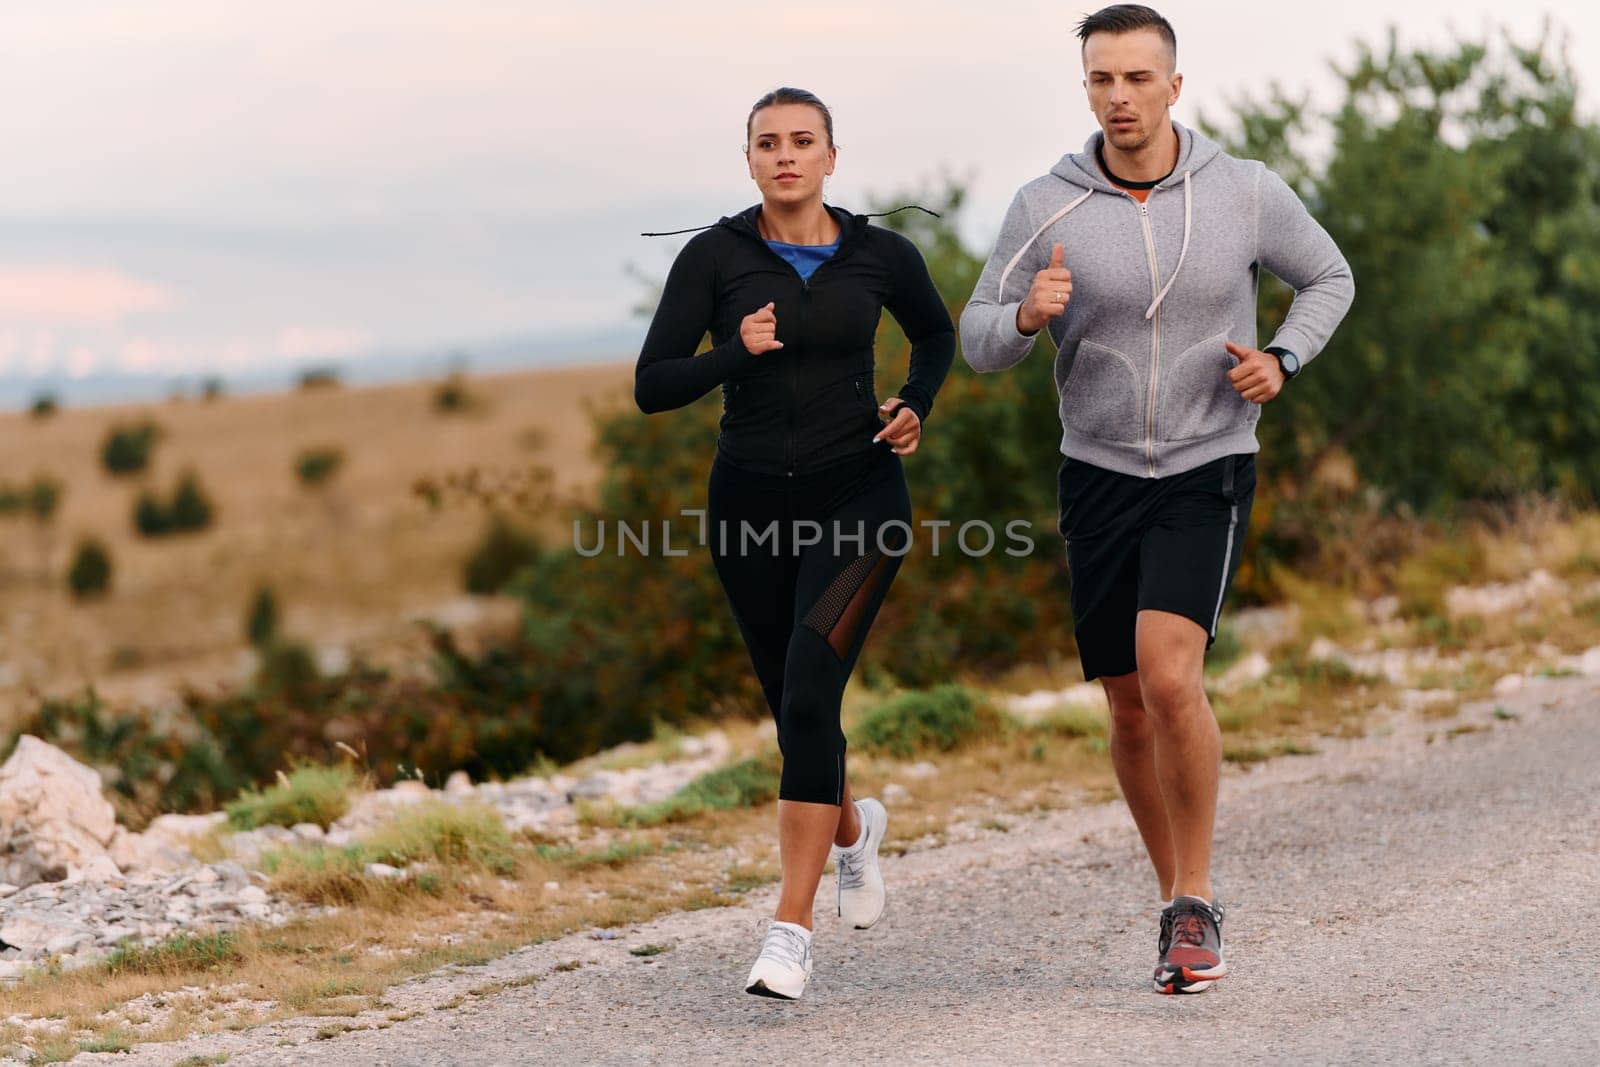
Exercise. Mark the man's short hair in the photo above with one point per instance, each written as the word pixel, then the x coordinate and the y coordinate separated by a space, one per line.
pixel 1125 18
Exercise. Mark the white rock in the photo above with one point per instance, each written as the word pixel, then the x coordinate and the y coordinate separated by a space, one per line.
pixel 307 831
pixel 6 889
pixel 254 894
pixel 1384 608
pixel 1322 648
pixel 383 870
pixel 333 660
pixel 1509 684
pixel 52 814
pixel 1248 670
pixel 1589 663
pixel 895 793
pixel 206 876
pixel 410 787
pixel 458 784
pixel 921 769
pixel 552 886
pixel 97 869
pixel 1031 707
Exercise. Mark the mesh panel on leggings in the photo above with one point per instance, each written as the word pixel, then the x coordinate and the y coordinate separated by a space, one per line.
pixel 837 610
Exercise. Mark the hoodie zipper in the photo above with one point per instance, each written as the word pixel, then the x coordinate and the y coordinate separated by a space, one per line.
pixel 1155 338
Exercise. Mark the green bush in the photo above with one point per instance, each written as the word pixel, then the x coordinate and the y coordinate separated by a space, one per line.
pixel 939 719
pixel 261 624
pixel 503 551
pixel 150 761
pixel 315 466
pixel 452 396
pixel 309 793
pixel 287 669
pixel 90 574
pixel 44 497
pixel 319 378
pixel 191 507
pixel 44 405
pixel 745 784
pixel 180 954
pixel 127 448
pixel 467 835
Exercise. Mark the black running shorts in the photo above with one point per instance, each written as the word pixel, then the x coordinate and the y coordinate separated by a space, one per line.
pixel 1149 544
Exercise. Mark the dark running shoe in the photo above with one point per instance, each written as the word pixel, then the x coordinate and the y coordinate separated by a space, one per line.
pixel 1191 947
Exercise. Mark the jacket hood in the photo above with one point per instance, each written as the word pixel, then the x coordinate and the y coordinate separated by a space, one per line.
pixel 1081 169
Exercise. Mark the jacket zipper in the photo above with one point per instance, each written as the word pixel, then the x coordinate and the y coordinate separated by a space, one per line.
pixel 1155 339
pixel 805 307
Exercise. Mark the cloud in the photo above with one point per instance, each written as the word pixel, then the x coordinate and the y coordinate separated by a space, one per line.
pixel 83 295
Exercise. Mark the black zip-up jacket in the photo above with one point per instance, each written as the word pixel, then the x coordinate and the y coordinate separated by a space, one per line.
pixel 810 403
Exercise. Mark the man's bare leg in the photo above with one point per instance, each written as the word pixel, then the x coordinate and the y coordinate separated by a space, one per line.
pixel 1188 744
pixel 1133 755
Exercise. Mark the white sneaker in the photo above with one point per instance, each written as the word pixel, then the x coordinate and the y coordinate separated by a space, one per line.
pixel 861 893
pixel 784 965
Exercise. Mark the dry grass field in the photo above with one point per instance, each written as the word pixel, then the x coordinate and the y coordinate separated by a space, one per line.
pixel 352 562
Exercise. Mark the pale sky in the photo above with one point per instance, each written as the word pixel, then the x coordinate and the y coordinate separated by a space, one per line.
pixel 194 186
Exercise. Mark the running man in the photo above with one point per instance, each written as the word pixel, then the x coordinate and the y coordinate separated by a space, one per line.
pixel 1160 388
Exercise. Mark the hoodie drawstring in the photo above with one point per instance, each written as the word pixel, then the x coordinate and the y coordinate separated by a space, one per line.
pixel 1000 297
pixel 1188 214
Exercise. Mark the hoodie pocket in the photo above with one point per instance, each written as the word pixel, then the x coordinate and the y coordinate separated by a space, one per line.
pixel 1197 399
pixel 1101 396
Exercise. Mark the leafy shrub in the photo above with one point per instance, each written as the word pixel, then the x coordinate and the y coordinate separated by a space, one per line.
pixel 319 378
pixel 939 719
pixel 150 761
pixel 287 669
pixel 261 624
pixel 44 497
pixel 316 466
pixel 503 551
pixel 310 793
pixel 745 784
pixel 90 574
pixel 44 405
pixel 468 834
pixel 150 516
pixel 180 954
pixel 452 396
pixel 127 448
pixel 191 507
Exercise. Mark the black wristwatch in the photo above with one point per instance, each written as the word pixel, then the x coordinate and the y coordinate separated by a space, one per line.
pixel 1287 361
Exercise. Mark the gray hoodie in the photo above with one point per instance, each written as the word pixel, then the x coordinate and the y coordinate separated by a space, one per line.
pixel 1157 288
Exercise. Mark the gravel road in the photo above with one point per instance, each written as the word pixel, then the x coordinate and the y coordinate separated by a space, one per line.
pixel 1393 899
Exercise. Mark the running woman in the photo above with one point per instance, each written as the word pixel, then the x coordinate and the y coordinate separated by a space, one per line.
pixel 791 291
pixel 1139 255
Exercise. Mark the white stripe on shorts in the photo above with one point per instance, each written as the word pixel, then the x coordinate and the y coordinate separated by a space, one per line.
pixel 1227 558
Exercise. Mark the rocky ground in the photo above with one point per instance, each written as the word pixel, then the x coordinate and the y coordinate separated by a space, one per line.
pixel 74 884
pixel 1414 896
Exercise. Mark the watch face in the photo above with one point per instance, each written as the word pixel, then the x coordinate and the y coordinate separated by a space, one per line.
pixel 1291 363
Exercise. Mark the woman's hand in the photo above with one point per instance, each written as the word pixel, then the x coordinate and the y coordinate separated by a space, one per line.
pixel 904 431
pixel 759 330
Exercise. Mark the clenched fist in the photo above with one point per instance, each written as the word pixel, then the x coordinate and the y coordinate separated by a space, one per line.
pixel 1047 296
pixel 759 330
pixel 1257 376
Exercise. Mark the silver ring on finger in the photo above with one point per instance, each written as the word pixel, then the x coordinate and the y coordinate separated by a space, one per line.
pixel 1058 298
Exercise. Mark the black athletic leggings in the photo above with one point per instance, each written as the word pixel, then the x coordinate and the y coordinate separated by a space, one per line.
pixel 806 561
